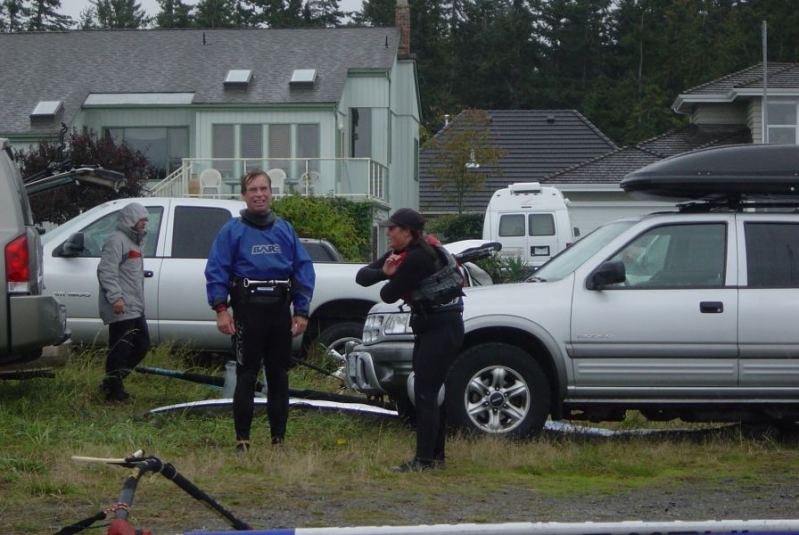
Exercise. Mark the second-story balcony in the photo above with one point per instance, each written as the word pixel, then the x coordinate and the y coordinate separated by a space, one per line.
pixel 357 179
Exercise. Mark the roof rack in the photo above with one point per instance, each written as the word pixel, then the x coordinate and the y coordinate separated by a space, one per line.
pixel 736 203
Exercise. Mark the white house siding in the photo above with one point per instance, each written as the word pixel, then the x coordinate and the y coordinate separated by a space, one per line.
pixel 754 119
pixel 589 208
pixel 404 183
pixel 718 114
pixel 99 119
pixel 371 90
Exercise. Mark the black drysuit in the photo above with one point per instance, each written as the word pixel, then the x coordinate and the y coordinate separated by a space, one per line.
pixel 438 334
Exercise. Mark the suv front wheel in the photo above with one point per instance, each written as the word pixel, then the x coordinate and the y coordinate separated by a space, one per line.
pixel 498 389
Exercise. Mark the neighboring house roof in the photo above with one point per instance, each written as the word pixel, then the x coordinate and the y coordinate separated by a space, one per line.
pixel 68 66
pixel 783 78
pixel 610 168
pixel 536 143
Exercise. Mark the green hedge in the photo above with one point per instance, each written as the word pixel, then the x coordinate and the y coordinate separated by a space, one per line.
pixel 450 228
pixel 345 224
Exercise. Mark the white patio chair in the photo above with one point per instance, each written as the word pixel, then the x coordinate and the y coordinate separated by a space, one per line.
pixel 277 177
pixel 210 182
pixel 311 182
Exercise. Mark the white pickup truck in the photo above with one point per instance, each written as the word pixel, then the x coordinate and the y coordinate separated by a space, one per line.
pixel 180 233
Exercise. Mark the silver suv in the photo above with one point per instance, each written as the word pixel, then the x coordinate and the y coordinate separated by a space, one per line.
pixel 28 320
pixel 687 314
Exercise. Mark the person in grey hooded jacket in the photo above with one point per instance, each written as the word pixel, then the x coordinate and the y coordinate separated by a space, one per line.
pixel 121 299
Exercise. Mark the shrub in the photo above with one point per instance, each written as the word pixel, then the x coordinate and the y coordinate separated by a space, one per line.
pixel 450 228
pixel 505 269
pixel 315 217
pixel 81 148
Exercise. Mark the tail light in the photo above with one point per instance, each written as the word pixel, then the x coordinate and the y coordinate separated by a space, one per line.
pixel 18 271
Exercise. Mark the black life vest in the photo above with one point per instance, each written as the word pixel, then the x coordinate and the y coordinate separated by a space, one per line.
pixel 443 286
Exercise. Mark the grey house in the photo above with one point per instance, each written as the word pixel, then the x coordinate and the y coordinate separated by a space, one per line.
pixel 727 110
pixel 592 187
pixel 330 112
pixel 535 143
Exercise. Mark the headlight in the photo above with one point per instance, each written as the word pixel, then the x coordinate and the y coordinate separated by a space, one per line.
pixel 371 328
pixel 378 326
pixel 397 324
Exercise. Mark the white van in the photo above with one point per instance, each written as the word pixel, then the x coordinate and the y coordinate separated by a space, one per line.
pixel 530 221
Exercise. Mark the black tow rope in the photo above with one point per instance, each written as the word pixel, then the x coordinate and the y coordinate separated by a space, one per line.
pixel 139 466
pixel 18 375
pixel 80 525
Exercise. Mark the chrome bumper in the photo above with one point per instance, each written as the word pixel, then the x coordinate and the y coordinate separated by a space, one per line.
pixel 378 369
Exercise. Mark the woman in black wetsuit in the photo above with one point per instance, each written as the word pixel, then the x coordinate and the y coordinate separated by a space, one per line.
pixel 438 328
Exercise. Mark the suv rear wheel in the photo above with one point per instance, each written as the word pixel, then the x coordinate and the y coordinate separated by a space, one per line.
pixel 498 389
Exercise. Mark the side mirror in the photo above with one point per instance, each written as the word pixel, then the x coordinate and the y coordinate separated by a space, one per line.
pixel 606 274
pixel 72 247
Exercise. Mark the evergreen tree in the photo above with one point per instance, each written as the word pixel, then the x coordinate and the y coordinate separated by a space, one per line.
pixel 16 15
pixel 495 53
pixel 375 13
pixel 119 14
pixel 174 14
pixel 44 17
pixel 432 47
pixel 87 18
pixel 324 13
pixel 279 13
pixel 215 14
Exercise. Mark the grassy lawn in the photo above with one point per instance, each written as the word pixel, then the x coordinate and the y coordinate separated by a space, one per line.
pixel 328 457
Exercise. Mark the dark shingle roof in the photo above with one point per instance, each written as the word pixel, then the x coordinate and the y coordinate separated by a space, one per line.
pixel 609 168
pixel 696 136
pixel 612 167
pixel 780 75
pixel 67 66
pixel 536 143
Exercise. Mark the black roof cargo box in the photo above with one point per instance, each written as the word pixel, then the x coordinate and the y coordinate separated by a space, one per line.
pixel 733 171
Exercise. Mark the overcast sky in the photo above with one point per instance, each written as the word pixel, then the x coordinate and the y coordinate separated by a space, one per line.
pixel 74 7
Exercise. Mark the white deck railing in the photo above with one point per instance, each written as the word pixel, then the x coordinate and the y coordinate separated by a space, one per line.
pixel 352 178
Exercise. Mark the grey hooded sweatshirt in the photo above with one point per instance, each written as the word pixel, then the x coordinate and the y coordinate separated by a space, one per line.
pixel 121 268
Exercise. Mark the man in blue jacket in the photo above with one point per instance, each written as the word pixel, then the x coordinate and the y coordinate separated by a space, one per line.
pixel 258 262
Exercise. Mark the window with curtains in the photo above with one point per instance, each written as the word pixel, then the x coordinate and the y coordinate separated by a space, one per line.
pixel 265 146
pixel 308 145
pixel 224 146
pixel 164 147
pixel 251 146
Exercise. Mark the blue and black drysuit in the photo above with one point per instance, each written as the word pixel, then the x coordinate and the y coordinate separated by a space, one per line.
pixel 260 248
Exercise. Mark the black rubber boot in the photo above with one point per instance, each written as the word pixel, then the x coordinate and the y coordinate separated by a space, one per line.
pixel 114 390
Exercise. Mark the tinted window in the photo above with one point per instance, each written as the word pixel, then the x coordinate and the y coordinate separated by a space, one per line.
pixel 95 234
pixel 542 225
pixel 676 256
pixel 319 252
pixel 195 230
pixel 511 225
pixel 772 255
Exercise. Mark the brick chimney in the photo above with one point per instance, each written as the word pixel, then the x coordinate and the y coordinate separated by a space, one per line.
pixel 402 19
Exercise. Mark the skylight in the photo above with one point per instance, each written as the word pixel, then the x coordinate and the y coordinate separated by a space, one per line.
pixel 238 76
pixel 46 108
pixel 303 76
